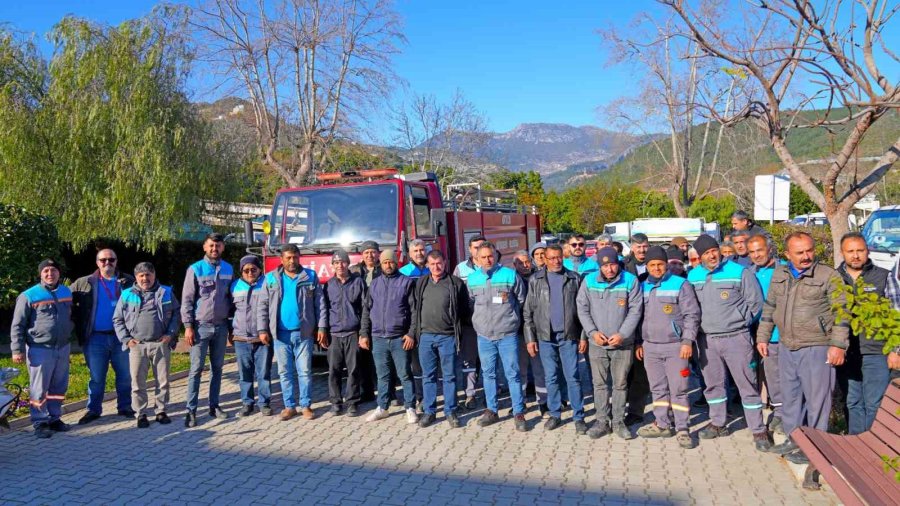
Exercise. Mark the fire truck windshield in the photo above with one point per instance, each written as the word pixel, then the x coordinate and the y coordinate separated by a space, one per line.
pixel 336 216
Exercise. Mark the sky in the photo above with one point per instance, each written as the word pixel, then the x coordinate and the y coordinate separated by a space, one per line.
pixel 518 61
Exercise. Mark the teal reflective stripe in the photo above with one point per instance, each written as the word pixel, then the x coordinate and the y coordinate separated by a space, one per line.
pixel 130 298
pixel 588 266
pixel 716 401
pixel 624 283
pixel 753 406
pixel 241 287
pixel 38 293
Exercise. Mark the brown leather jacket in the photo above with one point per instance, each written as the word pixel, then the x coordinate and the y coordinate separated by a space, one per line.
pixel 801 309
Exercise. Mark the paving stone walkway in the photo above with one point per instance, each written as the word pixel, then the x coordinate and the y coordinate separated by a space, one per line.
pixel 340 460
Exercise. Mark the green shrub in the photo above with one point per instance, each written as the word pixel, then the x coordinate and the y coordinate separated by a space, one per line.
pixel 25 239
pixel 821 235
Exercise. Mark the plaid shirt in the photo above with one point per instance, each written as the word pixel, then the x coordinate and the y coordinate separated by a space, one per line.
pixel 892 291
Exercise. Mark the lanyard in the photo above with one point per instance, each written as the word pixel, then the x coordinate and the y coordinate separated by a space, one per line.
pixel 106 289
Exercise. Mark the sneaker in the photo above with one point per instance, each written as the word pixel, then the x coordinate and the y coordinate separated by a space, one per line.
pixel 411 416
pixel 58 426
pixel 599 430
pixel 685 440
pixel 784 448
pixel 426 420
pixel 543 409
pixel 623 431
pixel 520 423
pixel 127 413
pixel 42 431
pixel 163 419
pixel 488 418
pixel 307 413
pixel 797 457
pixel 712 431
pixel 336 410
pixel 216 412
pixel 776 426
pixel 266 410
pixel 352 410
pixel 653 430
pixel 190 419
pixel 246 410
pixel 632 419
pixel 761 441
pixel 552 423
pixel 88 417
pixel 581 428
pixel 287 414
pixel 453 420
pixel 142 422
pixel 378 414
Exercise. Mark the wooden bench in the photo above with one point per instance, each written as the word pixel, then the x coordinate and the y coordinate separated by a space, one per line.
pixel 852 465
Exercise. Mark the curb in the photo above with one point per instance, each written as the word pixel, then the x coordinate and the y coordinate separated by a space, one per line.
pixel 25 421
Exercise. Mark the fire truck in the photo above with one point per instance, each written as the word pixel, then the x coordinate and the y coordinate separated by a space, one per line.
pixel 346 209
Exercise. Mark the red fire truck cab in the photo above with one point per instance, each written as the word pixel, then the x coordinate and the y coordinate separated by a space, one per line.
pixel 391 209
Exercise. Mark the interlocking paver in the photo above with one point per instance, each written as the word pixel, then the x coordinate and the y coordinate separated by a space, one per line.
pixel 342 460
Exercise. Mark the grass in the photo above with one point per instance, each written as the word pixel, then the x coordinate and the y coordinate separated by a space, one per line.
pixel 79 377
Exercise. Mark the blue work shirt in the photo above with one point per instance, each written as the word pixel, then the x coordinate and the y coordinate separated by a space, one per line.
pixel 107 297
pixel 289 312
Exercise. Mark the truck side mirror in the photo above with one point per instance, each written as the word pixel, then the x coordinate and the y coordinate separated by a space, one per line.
pixel 248 233
pixel 438 221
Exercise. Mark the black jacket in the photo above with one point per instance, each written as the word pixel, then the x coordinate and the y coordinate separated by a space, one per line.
pixel 362 270
pixel 630 264
pixel 876 279
pixel 536 312
pixel 459 306
pixel 344 302
pixel 84 300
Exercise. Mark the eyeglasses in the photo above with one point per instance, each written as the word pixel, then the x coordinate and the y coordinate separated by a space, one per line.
pixel 250 269
pixel 576 244
pixel 106 260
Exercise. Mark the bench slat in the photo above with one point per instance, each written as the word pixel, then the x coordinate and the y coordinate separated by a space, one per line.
pixel 887 436
pixel 890 407
pixel 863 474
pixel 867 461
pixel 875 444
pixel 835 479
pixel 893 391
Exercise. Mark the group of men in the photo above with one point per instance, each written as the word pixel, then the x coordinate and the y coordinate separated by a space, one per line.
pixel 628 327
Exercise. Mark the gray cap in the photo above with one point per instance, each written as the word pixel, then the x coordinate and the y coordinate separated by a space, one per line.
pixel 368 245
pixel 537 246
pixel 340 256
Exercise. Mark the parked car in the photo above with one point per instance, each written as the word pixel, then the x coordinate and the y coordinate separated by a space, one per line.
pixel 882 234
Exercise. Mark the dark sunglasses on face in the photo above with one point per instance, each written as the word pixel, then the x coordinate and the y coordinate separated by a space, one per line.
pixel 250 269
pixel 106 260
pixel 577 244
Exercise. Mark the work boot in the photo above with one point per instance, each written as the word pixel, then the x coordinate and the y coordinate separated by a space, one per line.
pixel 776 426
pixel 426 420
pixel 127 413
pixel 784 448
pixel 378 414
pixel 488 418
pixel 59 426
pixel 581 428
pixel 653 431
pixel 623 431
pixel 246 410
pixel 266 410
pixel 42 431
pixel 761 441
pixel 712 431
pixel 336 410
pixel 453 420
pixel 552 423
pixel 163 419
pixel 797 457
pixel 190 418
pixel 216 412
pixel 600 429
pixel 685 440
pixel 352 410
pixel 142 422
pixel 307 413
pixel 88 417
pixel 287 414
pixel 520 423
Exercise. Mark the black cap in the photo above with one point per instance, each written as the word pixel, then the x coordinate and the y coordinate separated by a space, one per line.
pixel 656 253
pixel 48 262
pixel 704 243
pixel 607 255
pixel 250 259
pixel 675 253
pixel 340 256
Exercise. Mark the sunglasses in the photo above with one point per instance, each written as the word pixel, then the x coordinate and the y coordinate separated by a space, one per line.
pixel 106 260
pixel 576 244
pixel 250 269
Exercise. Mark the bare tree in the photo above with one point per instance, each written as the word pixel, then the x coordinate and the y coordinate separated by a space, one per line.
pixel 447 138
pixel 805 55
pixel 307 67
pixel 674 81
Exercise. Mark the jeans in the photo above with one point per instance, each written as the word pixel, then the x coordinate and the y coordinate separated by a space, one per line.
pixel 506 351
pixel 868 377
pixel 48 375
pixel 294 355
pixel 210 339
pixel 560 358
pixel 101 350
pixel 254 363
pixel 390 357
pixel 434 349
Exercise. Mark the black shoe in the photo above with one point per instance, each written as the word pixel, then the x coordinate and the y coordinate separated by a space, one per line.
pixel 190 419
pixel 42 431
pixel 488 418
pixel 266 410
pixel 142 422
pixel 425 420
pixel 246 410
pixel 796 457
pixel 216 412
pixel 88 417
pixel 762 442
pixel 623 431
pixel 368 397
pixel 784 448
pixel 127 413
pixel 58 426
pixel 543 409
pixel 520 423
pixel 552 423
pixel 163 418
pixel 581 428
pixel 700 403
pixel 599 430
pixel 336 410
pixel 632 419
pixel 471 404
pixel 453 420
pixel 712 432
pixel 353 410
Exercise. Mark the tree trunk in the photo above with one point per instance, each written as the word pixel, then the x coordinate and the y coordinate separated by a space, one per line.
pixel 680 209
pixel 840 225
